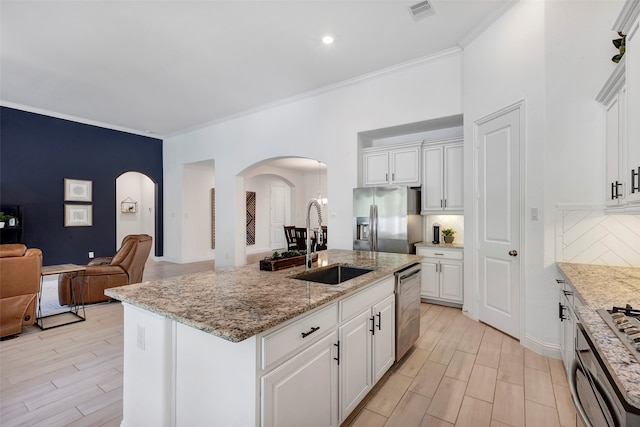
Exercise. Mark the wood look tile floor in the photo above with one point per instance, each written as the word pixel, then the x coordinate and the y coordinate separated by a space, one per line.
pixel 464 373
pixel 460 373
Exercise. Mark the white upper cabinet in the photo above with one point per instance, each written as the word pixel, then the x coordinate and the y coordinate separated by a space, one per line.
pixel 442 183
pixel 633 110
pixel 620 97
pixel 398 165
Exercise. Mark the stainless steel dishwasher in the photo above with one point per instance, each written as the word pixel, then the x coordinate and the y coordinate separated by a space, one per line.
pixel 407 308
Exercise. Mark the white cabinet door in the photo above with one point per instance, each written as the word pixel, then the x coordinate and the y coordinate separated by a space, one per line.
pixel 304 390
pixel 405 166
pixel 632 157
pixel 376 168
pixel 430 279
pixel 614 150
pixel 451 280
pixel 442 177
pixel 355 362
pixel 384 342
pixel 432 186
pixel 453 177
pixel 397 165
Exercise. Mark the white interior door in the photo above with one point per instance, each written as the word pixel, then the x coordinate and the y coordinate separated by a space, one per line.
pixel 498 140
pixel 277 217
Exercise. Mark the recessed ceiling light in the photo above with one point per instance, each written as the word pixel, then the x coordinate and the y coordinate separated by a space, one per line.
pixel 327 39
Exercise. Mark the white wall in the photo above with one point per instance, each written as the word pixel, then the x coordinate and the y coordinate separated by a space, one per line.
pixel 322 127
pixel 554 55
pixel 140 188
pixel 195 221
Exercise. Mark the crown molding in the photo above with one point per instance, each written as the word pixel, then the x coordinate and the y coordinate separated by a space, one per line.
pixel 76 119
pixel 486 23
pixel 325 89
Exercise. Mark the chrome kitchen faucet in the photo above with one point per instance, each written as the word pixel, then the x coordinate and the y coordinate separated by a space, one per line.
pixel 308 258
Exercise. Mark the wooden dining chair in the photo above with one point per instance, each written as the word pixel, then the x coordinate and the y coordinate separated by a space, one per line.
pixel 301 237
pixel 290 236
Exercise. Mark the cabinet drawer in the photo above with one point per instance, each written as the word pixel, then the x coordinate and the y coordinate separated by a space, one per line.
pixel 284 341
pixel 369 296
pixel 440 253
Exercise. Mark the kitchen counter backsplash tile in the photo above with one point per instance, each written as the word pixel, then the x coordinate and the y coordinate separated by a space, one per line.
pixel 239 302
pixel 600 286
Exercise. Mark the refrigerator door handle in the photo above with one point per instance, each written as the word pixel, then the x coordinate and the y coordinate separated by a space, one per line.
pixel 374 247
pixel 371 226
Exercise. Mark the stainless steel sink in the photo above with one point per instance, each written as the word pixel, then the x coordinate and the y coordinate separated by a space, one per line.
pixel 333 274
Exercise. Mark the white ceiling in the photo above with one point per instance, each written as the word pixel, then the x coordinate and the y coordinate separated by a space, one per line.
pixel 163 67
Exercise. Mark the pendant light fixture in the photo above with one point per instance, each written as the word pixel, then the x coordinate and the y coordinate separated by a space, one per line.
pixel 321 199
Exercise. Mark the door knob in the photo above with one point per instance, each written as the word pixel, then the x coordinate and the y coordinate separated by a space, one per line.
pixel 513 253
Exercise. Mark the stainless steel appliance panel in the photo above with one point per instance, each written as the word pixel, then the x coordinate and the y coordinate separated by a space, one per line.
pixel 407 309
pixel 386 219
pixel 597 399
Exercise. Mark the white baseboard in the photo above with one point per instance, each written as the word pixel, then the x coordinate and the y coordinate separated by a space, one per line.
pixel 540 347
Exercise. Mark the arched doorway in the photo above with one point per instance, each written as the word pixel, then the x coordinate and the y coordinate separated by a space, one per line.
pixel 283 186
pixel 135 206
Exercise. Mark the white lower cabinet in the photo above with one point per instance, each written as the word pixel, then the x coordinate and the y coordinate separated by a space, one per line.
pixel 442 275
pixel 311 371
pixel 304 390
pixel 367 344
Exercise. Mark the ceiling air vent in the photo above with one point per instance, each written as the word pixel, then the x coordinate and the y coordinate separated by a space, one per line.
pixel 421 10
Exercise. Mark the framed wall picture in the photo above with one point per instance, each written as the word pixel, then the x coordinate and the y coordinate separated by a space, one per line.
pixel 77 190
pixel 78 215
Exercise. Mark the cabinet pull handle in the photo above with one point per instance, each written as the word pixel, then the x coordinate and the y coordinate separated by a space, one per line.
pixel 613 196
pixel 445 203
pixel 561 312
pixel 567 293
pixel 386 177
pixel 313 329
pixel 337 359
pixel 393 176
pixel 635 180
pixel 379 319
pixel 441 203
pixel 438 253
pixel 559 281
pixel 373 325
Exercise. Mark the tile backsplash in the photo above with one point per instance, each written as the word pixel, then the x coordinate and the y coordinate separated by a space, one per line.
pixel 446 221
pixel 590 236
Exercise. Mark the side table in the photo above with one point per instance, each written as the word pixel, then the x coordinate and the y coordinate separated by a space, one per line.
pixel 77 299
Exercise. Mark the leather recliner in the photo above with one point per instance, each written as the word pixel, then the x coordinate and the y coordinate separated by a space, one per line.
pixel 20 270
pixel 124 268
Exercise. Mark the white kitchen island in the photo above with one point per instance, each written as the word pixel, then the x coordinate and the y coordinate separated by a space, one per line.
pixel 244 347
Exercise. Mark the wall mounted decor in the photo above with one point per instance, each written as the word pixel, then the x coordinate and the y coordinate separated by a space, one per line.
pixel 77 190
pixel 251 217
pixel 129 205
pixel 78 215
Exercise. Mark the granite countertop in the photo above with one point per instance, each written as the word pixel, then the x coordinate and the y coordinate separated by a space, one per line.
pixel 236 303
pixel 442 245
pixel 598 287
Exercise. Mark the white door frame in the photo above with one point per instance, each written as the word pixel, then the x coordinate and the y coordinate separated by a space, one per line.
pixel 519 106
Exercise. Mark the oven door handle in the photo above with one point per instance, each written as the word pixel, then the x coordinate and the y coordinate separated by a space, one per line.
pixel 573 387
pixel 611 406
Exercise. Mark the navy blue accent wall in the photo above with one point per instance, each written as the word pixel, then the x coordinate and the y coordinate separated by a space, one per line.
pixel 37 152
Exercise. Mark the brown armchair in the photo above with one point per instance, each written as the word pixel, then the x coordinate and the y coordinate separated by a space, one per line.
pixel 124 268
pixel 20 270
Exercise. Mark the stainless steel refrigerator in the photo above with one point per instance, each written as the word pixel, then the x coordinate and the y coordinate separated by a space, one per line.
pixel 386 219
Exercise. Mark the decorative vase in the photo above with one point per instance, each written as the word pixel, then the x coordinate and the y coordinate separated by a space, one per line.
pixel 449 239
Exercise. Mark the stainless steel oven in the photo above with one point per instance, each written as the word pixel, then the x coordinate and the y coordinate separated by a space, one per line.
pixel 598 400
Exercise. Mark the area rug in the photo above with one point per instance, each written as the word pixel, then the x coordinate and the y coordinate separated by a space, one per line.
pixel 49 298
